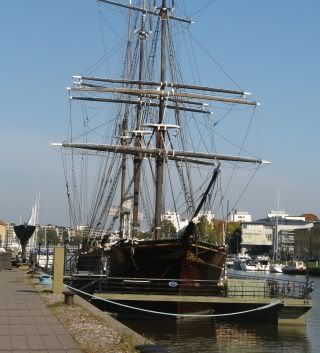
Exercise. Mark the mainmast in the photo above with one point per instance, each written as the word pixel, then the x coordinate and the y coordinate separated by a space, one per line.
pixel 160 134
pixel 139 133
pixel 124 135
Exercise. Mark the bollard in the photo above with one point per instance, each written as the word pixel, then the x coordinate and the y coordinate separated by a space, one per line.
pixel 58 265
pixel 68 297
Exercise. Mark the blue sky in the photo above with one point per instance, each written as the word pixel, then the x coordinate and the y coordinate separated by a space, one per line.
pixel 270 48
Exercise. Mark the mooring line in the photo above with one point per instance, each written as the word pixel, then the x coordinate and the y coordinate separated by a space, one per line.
pixel 277 302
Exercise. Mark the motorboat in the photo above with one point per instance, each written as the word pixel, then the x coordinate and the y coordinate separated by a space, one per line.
pixel 276 268
pixel 255 265
pixel 239 259
pixel 248 265
pixel 230 261
pixel 295 268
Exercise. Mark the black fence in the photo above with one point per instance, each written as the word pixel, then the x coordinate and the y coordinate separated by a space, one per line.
pixel 242 286
pixel 235 286
pixel 160 286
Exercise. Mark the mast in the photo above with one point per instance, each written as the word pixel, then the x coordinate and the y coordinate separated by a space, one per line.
pixel 160 134
pixel 138 133
pixel 124 136
pixel 276 241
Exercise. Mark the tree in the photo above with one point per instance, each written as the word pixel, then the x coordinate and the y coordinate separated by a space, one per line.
pixel 65 236
pixel 48 234
pixel 168 229
pixel 212 232
pixel 146 235
pixel 203 228
pixel 234 237
pixel 216 235
pixel 75 240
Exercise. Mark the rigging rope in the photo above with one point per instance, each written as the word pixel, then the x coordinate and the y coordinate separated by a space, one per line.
pixel 214 60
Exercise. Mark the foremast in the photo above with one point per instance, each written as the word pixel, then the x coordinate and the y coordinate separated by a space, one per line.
pixel 138 133
pixel 160 133
pixel 124 135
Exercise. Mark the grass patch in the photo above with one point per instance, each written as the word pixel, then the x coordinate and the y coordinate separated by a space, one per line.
pixel 128 343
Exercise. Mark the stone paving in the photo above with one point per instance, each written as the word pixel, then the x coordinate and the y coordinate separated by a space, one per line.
pixel 26 324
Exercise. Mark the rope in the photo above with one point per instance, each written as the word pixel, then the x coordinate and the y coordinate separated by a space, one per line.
pixel 277 302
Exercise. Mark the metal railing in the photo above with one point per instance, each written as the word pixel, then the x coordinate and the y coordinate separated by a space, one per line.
pixel 160 286
pixel 253 286
pixel 235 286
pixel 70 263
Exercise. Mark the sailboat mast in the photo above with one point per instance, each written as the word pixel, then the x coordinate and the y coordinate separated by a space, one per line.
pixel 124 131
pixel 138 132
pixel 160 134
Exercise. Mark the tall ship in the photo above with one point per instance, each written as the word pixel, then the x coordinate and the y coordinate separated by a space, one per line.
pixel 148 142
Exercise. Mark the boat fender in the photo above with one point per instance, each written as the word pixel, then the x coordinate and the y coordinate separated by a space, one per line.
pixel 173 284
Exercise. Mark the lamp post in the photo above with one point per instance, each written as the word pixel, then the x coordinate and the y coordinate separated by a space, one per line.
pixel 307 272
pixel 39 252
pixel 65 243
pixel 47 262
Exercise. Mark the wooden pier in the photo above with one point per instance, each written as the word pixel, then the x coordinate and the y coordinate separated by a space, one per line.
pixel 191 296
pixel 288 311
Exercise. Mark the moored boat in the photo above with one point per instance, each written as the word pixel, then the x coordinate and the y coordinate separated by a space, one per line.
pixel 255 265
pixel 230 261
pixel 295 268
pixel 153 153
pixel 276 268
pixel 239 259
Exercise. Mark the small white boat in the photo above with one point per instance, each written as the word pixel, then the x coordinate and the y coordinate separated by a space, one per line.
pixel 256 265
pixel 239 259
pixel 230 261
pixel 263 265
pixel 276 268
pixel 248 265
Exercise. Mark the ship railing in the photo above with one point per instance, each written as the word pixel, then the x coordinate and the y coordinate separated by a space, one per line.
pixel 230 288
pixel 70 264
pixel 161 286
pixel 267 288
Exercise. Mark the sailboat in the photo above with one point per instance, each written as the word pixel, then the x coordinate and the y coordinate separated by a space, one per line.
pixel 276 266
pixel 25 231
pixel 153 153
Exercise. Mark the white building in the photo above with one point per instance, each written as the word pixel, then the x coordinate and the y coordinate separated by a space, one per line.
pixel 175 219
pixel 279 214
pixel 272 234
pixel 256 234
pixel 285 215
pixel 12 242
pixel 240 216
pixel 91 232
pixel 209 216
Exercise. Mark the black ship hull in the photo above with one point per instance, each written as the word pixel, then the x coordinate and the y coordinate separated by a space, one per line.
pixel 156 259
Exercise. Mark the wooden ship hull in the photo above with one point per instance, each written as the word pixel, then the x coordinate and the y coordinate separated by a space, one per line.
pixel 169 259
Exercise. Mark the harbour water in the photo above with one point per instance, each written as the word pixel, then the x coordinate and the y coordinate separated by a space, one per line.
pixel 208 335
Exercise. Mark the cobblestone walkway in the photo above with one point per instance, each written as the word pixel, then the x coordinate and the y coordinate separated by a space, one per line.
pixel 26 324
